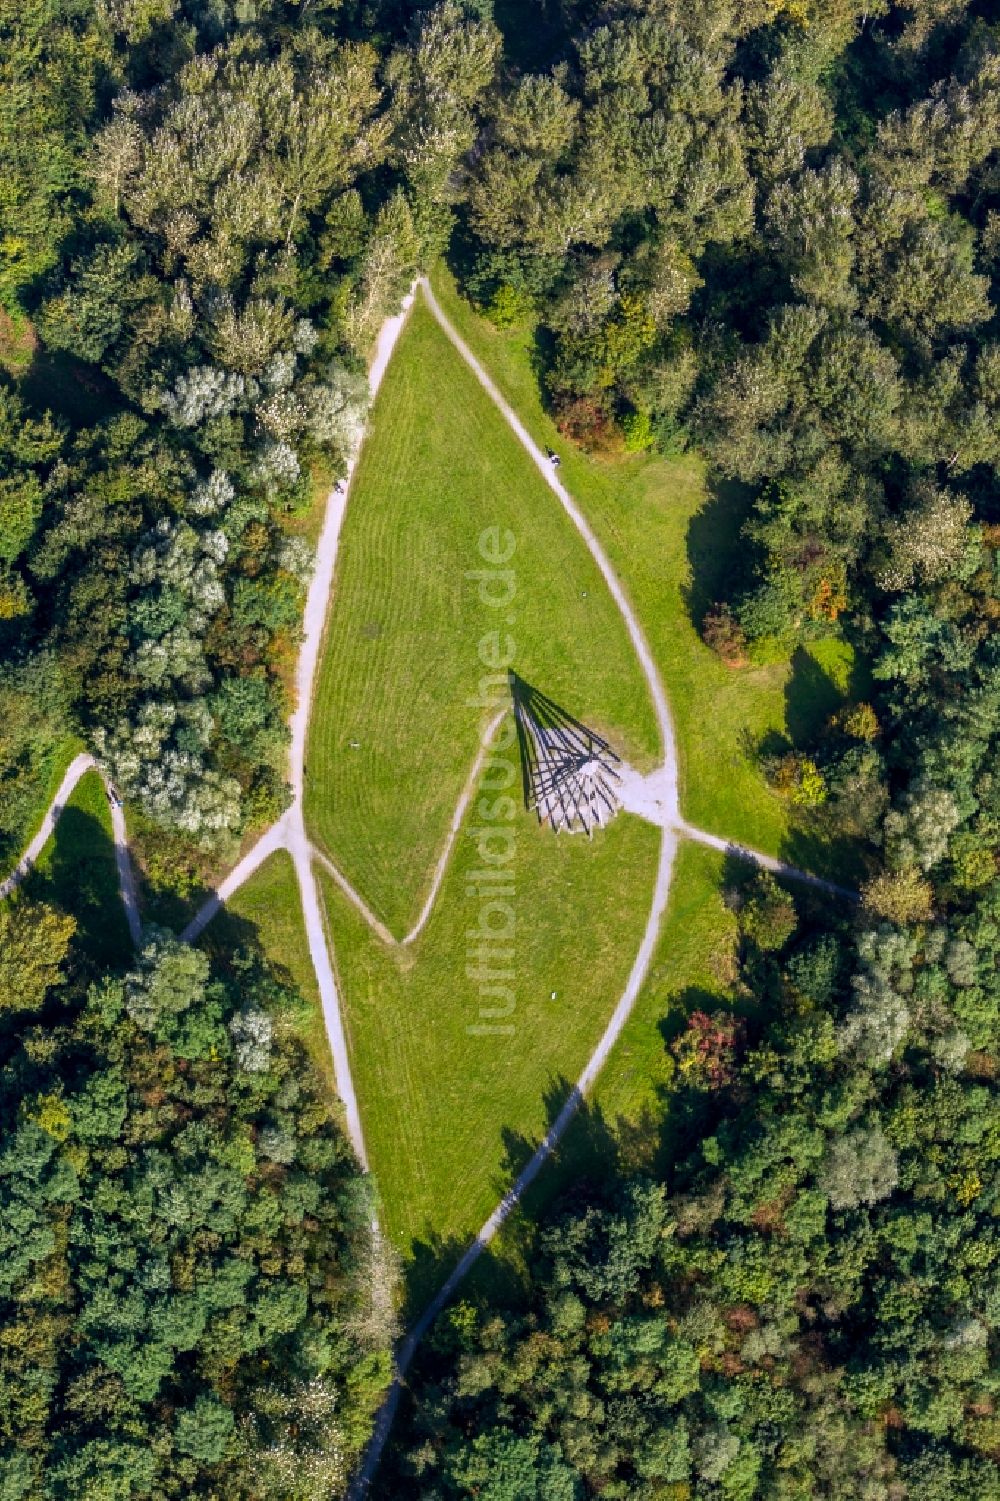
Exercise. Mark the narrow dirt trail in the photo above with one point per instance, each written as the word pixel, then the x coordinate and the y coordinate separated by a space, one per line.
pixel 75 772
pixel 354 896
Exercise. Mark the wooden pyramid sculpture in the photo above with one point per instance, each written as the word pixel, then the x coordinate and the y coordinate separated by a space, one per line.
pixel 571 776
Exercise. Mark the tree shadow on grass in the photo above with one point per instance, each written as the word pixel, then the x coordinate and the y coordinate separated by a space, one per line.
pixel 587 1153
pixel 811 698
pixel 168 909
pixel 717 555
pixel 431 1261
pixel 586 1166
pixel 80 877
pixel 830 856
pixel 227 932
pixel 813 695
pixel 540 357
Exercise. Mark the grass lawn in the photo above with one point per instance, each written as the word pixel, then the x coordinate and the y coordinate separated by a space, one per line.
pixel 76 872
pixel 673 542
pixel 450 1112
pixel 266 913
pixel 399 706
pixel 626 1124
pixel 18 342
pixel 450 1115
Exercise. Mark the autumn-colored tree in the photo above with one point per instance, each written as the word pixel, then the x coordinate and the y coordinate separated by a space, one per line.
pixel 34 941
pixel 706 1050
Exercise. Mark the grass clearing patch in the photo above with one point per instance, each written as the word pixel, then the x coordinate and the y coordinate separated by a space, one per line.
pixel 77 873
pixel 673 539
pixel 18 341
pixel 402 694
pixel 451 1116
pixel 451 1113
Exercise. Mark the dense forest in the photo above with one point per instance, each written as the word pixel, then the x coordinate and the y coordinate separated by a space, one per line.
pixel 190 1302
pixel 767 232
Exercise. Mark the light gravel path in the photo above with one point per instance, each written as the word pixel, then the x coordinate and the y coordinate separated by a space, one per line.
pixel 768 862
pixel 276 838
pixel 313 631
pixel 290 831
pixel 655 798
pixel 126 873
pixel 75 771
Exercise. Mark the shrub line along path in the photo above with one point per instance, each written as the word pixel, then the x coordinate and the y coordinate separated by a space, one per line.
pixel 655 798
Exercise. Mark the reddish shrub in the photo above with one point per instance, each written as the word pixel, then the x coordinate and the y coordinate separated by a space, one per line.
pixel 706 1051
pixel 722 632
pixel 585 420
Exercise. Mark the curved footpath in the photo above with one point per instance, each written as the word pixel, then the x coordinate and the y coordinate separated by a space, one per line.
pixel 75 771
pixel 314 626
pixel 290 830
pixel 655 798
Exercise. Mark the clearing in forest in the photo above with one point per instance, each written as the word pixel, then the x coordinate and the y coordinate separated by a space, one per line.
pixel 76 872
pixel 405 689
pixel 453 550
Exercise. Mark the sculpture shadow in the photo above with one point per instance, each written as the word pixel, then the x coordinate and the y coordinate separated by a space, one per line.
pixel 552 746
